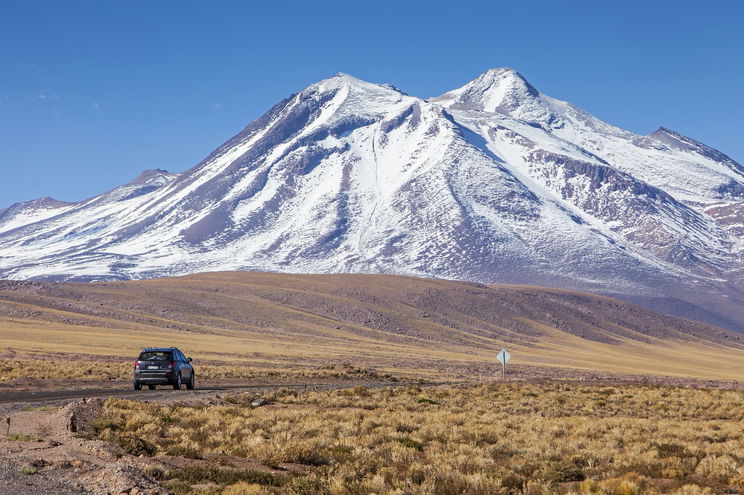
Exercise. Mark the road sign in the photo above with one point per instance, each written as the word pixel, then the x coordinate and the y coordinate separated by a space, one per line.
pixel 503 356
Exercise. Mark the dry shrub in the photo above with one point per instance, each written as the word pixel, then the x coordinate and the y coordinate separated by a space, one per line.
pixel 243 488
pixel 499 438
pixel 717 468
pixel 211 474
pixel 562 472
pixel 693 490
pixel 114 368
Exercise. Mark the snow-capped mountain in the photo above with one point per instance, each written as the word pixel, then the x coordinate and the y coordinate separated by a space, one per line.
pixel 491 182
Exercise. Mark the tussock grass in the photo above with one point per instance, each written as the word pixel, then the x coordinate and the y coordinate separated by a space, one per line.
pixel 22 437
pixel 67 369
pixel 485 439
pixel 194 474
pixel 39 408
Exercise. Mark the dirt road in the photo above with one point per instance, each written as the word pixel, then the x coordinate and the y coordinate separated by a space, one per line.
pixel 10 397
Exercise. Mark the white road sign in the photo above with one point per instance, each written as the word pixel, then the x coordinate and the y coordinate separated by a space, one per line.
pixel 503 356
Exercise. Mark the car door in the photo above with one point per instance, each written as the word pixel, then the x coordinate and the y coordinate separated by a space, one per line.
pixel 186 368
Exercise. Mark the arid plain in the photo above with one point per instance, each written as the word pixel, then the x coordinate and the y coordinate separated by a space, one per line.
pixel 412 326
pixel 364 384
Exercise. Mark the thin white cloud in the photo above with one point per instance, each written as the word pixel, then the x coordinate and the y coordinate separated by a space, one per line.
pixel 218 106
pixel 97 106
pixel 47 96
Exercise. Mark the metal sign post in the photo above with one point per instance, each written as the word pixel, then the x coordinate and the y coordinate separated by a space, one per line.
pixel 503 356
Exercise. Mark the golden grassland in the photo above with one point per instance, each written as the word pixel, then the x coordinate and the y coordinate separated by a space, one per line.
pixel 500 438
pixel 97 371
pixel 430 327
pixel 238 352
pixel 380 321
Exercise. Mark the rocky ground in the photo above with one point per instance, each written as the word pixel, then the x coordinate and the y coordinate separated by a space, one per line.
pixel 47 452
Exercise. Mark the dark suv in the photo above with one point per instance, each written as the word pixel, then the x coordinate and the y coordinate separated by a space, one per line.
pixel 163 366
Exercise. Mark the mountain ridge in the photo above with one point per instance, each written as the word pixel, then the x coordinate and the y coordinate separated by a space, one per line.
pixel 491 182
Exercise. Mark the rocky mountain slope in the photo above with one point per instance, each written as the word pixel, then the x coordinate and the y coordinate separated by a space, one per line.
pixel 491 182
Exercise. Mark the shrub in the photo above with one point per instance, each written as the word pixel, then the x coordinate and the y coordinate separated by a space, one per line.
pixel 693 490
pixel 410 443
pixel 671 450
pixel 207 474
pixel 243 488
pixel 718 468
pixel 183 451
pixel 495 438
pixel 104 423
pixel 304 485
pixel 135 445
pixel 560 472
pixel 22 437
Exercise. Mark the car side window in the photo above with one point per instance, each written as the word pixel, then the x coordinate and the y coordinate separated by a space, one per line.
pixel 180 356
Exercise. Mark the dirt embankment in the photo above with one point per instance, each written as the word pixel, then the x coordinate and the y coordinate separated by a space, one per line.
pixel 47 452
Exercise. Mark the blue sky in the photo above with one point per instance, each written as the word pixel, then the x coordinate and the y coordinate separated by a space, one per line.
pixel 92 93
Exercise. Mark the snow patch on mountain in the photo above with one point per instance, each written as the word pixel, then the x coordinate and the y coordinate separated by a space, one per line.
pixel 491 182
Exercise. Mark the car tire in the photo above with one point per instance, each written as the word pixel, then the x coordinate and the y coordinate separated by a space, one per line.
pixel 151 387
pixel 137 386
pixel 191 382
pixel 177 383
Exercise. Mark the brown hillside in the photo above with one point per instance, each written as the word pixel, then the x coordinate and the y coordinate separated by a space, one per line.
pixel 382 321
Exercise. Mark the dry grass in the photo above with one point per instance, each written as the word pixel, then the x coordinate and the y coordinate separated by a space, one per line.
pixel 82 370
pixel 429 327
pixel 486 439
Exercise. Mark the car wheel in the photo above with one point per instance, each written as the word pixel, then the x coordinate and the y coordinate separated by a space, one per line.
pixel 177 383
pixel 192 382
pixel 151 387
pixel 137 386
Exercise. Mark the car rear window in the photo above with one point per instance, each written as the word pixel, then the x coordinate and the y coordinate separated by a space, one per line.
pixel 155 356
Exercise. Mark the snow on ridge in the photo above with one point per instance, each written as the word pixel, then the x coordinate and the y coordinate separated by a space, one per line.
pixel 493 182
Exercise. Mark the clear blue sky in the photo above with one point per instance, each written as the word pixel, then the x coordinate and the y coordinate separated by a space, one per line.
pixel 91 93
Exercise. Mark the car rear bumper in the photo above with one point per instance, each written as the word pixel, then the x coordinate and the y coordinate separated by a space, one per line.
pixel 155 377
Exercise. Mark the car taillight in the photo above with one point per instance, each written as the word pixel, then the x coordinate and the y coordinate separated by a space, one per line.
pixel 172 364
pixel 136 364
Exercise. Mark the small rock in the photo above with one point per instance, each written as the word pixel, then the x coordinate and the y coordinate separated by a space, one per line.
pixel 258 403
pixel 38 463
pixel 72 422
